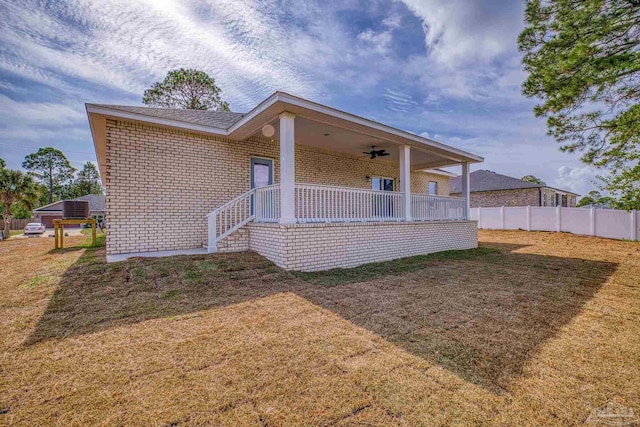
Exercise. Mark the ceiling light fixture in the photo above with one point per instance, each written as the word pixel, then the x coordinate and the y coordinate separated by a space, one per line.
pixel 268 131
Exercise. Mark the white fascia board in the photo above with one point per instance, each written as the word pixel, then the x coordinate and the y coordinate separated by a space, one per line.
pixel 439 172
pixel 254 112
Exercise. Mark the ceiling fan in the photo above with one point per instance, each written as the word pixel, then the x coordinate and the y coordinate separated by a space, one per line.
pixel 376 153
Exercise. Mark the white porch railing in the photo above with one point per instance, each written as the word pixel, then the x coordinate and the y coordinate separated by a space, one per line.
pixel 320 203
pixel 429 207
pixel 267 203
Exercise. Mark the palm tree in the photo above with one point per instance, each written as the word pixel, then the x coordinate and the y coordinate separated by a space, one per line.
pixel 15 187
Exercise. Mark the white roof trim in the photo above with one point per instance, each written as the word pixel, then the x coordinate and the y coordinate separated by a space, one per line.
pixel 440 172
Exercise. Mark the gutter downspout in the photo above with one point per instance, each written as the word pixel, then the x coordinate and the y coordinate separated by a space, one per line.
pixel 540 196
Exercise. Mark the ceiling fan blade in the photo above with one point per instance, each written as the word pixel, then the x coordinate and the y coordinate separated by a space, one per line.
pixel 383 154
pixel 366 152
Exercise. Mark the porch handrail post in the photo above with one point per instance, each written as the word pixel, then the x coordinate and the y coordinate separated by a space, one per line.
pixel 212 245
pixel 466 190
pixel 405 179
pixel 287 169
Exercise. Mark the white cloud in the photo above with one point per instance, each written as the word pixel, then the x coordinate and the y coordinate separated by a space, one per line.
pixel 393 21
pixel 380 42
pixel 241 43
pixel 577 179
pixel 465 90
pixel 460 32
pixel 26 114
pixel 398 101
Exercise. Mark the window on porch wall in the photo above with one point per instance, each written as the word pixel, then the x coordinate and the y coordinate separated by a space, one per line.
pixel 433 187
pixel 383 205
pixel 382 184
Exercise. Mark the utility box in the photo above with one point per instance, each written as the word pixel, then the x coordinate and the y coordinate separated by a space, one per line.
pixel 75 209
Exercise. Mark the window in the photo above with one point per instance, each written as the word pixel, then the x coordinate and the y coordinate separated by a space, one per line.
pixel 433 187
pixel 380 183
pixel 261 172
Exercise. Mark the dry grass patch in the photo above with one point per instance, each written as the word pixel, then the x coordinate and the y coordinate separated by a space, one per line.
pixel 532 328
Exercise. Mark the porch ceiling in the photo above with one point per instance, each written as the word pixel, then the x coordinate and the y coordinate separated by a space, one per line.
pixel 321 135
pixel 347 133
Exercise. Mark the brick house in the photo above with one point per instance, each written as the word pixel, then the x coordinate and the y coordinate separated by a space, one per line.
pixel 490 189
pixel 293 180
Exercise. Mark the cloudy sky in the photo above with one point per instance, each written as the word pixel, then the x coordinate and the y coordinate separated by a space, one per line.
pixel 448 69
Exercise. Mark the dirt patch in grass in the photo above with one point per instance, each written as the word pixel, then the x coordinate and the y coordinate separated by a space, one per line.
pixel 531 328
pixel 340 276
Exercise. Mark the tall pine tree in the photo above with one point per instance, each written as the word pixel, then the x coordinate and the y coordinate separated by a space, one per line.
pixel 583 60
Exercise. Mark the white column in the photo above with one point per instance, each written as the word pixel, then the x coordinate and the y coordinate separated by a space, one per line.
pixel 405 179
pixel 634 225
pixel 287 169
pixel 466 190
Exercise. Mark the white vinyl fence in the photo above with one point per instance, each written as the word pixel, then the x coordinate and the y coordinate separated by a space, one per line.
pixel 611 223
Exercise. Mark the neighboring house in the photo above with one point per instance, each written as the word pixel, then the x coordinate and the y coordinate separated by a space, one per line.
pixel 490 189
pixel 289 180
pixel 46 214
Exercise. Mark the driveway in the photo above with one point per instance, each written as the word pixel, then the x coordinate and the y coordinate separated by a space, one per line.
pixel 49 233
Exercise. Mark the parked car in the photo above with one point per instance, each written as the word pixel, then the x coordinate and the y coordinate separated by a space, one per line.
pixel 35 228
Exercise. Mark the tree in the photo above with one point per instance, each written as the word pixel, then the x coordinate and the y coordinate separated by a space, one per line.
pixel 51 167
pixel 186 89
pixel 533 179
pixel 87 182
pixel 3 164
pixel 625 187
pixel 595 198
pixel 15 187
pixel 583 60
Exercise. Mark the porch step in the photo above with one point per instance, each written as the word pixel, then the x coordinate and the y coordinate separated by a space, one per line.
pixel 238 241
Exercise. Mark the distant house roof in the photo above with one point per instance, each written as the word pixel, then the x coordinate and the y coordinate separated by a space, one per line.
pixel 97 203
pixel 485 180
pixel 216 119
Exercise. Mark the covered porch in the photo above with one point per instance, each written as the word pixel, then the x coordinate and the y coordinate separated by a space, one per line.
pixel 294 199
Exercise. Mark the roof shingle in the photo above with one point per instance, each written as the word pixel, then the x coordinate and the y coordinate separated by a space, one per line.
pixel 216 119
pixel 485 180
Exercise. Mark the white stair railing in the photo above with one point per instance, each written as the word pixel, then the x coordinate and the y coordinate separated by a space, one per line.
pixel 229 217
pixel 429 207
